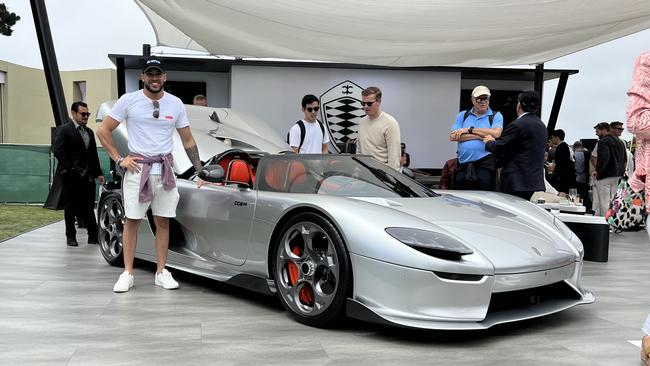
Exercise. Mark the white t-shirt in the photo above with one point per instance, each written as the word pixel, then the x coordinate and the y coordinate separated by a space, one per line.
pixel 314 138
pixel 149 136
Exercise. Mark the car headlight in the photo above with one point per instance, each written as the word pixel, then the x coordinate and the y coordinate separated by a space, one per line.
pixel 566 232
pixel 431 243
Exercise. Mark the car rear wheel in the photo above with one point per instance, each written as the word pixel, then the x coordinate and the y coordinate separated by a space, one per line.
pixel 312 270
pixel 110 214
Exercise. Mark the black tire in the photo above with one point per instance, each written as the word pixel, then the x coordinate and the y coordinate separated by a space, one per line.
pixel 110 225
pixel 312 270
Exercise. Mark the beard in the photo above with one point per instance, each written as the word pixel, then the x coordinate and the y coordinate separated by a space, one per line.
pixel 152 90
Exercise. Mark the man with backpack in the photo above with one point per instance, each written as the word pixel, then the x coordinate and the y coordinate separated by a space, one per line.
pixel 308 135
pixel 476 166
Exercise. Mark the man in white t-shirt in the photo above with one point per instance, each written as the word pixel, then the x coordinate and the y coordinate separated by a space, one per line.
pixel 379 134
pixel 308 136
pixel 151 116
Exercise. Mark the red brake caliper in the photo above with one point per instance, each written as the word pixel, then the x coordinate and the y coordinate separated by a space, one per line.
pixel 293 267
pixel 305 295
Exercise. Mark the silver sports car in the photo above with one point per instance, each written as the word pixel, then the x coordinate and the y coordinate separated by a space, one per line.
pixel 336 235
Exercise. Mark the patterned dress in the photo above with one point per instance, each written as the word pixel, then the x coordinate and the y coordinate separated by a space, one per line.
pixel 638 123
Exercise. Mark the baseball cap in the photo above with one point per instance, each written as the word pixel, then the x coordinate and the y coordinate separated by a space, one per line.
pixel 153 62
pixel 480 90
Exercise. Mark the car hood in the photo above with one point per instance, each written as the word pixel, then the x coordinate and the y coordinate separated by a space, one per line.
pixel 514 236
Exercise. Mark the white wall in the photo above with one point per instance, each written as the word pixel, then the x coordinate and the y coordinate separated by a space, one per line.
pixel 217 84
pixel 498 84
pixel 425 103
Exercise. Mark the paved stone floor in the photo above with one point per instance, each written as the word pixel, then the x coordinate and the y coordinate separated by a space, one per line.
pixel 57 308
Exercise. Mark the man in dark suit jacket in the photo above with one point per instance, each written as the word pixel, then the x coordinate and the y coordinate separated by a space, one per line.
pixel 76 151
pixel 520 149
pixel 564 172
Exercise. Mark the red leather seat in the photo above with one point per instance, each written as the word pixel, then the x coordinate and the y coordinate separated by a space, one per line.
pixel 239 171
pixel 275 174
pixel 298 181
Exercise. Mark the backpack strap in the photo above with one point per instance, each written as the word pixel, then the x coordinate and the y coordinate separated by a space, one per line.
pixel 467 112
pixel 300 124
pixel 490 117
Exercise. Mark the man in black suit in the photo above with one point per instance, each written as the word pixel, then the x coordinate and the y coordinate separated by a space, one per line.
pixel 564 171
pixel 520 149
pixel 76 151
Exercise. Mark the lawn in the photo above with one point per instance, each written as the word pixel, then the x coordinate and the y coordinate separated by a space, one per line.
pixel 18 219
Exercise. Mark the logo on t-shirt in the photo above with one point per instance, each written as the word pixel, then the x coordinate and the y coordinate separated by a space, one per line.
pixel 169 117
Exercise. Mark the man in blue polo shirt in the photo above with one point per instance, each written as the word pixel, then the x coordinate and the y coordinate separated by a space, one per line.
pixel 476 166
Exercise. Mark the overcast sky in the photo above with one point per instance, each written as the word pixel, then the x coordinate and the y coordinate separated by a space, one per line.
pixel 85 31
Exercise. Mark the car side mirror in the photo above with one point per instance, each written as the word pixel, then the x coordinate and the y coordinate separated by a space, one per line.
pixel 212 173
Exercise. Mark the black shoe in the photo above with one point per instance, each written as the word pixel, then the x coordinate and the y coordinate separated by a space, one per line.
pixel 73 242
pixel 93 241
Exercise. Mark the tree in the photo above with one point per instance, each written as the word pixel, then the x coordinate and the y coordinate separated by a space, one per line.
pixel 7 20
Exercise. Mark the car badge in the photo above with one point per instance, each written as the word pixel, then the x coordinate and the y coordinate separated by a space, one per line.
pixel 341 111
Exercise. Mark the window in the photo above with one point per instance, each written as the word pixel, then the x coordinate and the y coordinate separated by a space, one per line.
pixel 79 91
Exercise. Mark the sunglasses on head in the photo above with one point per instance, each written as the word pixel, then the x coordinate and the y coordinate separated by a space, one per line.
pixel 156 109
pixel 84 114
pixel 369 104
pixel 483 99
pixel 314 109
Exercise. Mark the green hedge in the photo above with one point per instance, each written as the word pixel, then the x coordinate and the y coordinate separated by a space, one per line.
pixel 25 172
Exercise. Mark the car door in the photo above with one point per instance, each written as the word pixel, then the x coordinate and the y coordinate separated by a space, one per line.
pixel 220 218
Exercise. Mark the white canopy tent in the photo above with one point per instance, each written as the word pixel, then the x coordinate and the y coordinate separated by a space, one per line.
pixel 396 33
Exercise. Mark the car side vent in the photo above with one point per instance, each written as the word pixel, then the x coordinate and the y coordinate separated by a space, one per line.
pixel 458 276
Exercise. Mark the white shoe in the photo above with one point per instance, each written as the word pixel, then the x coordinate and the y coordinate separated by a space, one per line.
pixel 124 283
pixel 165 280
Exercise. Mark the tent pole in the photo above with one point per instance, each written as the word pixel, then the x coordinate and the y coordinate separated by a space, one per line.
pixel 50 66
pixel 539 85
pixel 557 102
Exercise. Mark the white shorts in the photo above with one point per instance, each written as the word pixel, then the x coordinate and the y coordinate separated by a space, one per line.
pixel 163 204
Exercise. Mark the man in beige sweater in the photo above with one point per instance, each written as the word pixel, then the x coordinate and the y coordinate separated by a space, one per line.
pixel 379 134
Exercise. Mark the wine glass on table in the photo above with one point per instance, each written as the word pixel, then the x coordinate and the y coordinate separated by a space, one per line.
pixel 573 193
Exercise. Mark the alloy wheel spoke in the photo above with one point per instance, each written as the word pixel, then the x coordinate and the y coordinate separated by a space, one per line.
pixel 322 301
pixel 292 295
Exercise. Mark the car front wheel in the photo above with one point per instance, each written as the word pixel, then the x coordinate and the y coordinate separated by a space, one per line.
pixel 110 214
pixel 312 270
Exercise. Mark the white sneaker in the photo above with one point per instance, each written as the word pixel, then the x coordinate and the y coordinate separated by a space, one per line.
pixel 165 280
pixel 124 283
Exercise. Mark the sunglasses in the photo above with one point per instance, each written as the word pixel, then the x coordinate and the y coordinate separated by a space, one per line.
pixel 482 99
pixel 156 109
pixel 369 104
pixel 619 128
pixel 85 114
pixel 310 109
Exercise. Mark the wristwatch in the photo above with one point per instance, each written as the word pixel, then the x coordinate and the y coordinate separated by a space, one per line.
pixel 470 130
pixel 119 161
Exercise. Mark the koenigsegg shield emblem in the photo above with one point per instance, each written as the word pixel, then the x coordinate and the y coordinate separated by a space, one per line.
pixel 341 111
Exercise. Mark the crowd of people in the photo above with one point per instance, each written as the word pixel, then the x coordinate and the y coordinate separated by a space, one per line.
pixel 524 158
